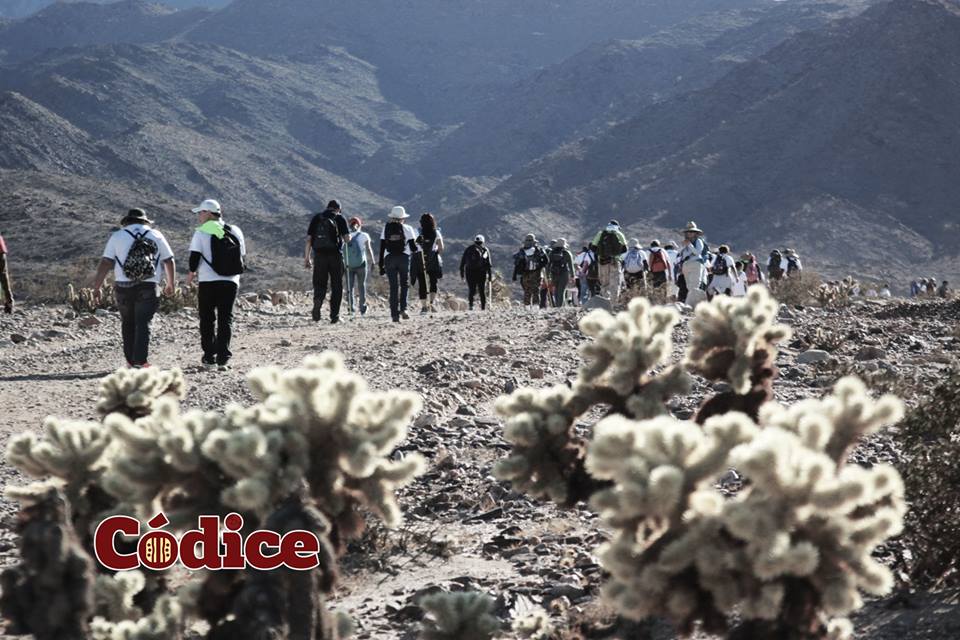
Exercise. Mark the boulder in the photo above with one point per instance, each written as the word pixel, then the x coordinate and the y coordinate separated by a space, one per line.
pixel 495 350
pixel 88 322
pixel 870 353
pixel 17 338
pixel 812 356
pixel 597 302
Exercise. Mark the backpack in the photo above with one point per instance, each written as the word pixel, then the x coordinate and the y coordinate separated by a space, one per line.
pixel 792 265
pixel 633 263
pixel 720 266
pixel 658 262
pixel 705 254
pixel 393 237
pixel 753 273
pixel 475 259
pixel 227 256
pixel 141 261
pixel 610 246
pixel 354 251
pixel 326 236
pixel 775 259
pixel 558 262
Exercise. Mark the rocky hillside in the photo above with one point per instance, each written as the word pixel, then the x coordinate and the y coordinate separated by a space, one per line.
pixel 23 8
pixel 613 81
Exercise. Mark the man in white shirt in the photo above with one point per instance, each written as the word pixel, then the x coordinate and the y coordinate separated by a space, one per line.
pixel 216 261
pixel 397 244
pixel 134 253
pixel 724 271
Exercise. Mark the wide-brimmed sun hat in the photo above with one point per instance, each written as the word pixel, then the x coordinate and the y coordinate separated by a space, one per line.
pixel 692 228
pixel 399 213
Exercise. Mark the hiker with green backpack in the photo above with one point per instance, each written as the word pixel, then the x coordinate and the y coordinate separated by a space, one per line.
pixel 356 252
pixel 135 253
pixel 609 245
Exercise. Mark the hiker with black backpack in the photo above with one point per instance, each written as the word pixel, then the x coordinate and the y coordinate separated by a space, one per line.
pixel 398 242
pixel 135 254
pixel 775 265
pixel 725 273
pixel 793 265
pixel 355 253
pixel 326 235
pixel 528 265
pixel 560 271
pixel 609 245
pixel 217 253
pixel 5 279
pixel 476 269
pixel 426 266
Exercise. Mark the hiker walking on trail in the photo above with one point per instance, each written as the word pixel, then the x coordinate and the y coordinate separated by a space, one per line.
pixel 476 269
pixel 356 252
pixel 5 279
pixel 528 264
pixel 692 257
pixel 217 253
pixel 397 244
pixel 775 266
pixel 725 273
pixel 634 267
pixel 791 264
pixel 560 270
pixel 609 245
pixel 660 265
pixel 427 264
pixel 582 262
pixel 326 234
pixel 752 272
pixel 135 254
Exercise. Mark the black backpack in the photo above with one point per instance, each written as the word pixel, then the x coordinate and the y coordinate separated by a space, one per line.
pixel 141 261
pixel 792 265
pixel 394 238
pixel 226 253
pixel 558 262
pixel 720 266
pixel 610 246
pixel 326 236
pixel 475 259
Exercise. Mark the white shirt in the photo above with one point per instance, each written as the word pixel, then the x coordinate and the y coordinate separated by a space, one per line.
pixel 120 242
pixel 201 244
pixel 408 235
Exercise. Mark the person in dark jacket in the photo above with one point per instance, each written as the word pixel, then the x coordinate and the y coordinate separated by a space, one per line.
pixel 560 270
pixel 476 269
pixel 528 265
pixel 327 233
pixel 426 265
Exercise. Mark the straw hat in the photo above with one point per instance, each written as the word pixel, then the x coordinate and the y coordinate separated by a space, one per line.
pixel 692 228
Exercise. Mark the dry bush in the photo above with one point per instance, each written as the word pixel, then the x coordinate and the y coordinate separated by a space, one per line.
pixel 931 439
pixel 797 290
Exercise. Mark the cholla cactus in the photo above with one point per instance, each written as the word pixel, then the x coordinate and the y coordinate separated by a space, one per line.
pixel 800 533
pixel 306 457
pixel 459 616
pixel 534 626
pixel 132 392
pixel 83 301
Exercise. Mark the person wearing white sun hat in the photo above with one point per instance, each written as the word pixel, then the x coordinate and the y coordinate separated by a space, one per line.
pixel 397 244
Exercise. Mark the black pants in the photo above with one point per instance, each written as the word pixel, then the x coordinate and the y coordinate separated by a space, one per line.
pixel 477 283
pixel 560 283
pixel 422 278
pixel 681 288
pixel 659 278
pixel 398 270
pixel 328 266
pixel 215 306
pixel 137 305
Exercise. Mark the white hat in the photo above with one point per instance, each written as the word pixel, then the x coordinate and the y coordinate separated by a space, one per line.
pixel 634 243
pixel 399 213
pixel 208 205
pixel 479 239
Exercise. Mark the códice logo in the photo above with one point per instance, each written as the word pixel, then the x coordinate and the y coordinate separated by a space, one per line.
pixel 207 547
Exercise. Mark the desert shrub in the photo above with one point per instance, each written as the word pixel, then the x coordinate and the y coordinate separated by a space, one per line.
pixel 788 556
pixel 800 290
pixel 931 438
pixel 82 300
pixel 308 456
pixel 837 294
pixel 182 298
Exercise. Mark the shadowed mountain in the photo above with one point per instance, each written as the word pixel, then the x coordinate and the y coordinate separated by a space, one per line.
pixel 861 115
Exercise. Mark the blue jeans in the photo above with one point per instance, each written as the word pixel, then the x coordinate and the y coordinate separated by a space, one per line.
pixel 584 288
pixel 358 276
pixel 398 273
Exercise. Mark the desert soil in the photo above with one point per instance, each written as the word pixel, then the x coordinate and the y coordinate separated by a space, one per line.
pixel 463 528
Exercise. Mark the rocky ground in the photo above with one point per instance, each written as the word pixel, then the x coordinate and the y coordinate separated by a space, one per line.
pixel 464 529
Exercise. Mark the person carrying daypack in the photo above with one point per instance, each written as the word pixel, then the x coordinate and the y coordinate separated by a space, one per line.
pixel 355 253
pixel 692 258
pixel 794 266
pixel 560 270
pixel 427 264
pixel 135 253
pixel 634 266
pixel 5 278
pixel 609 245
pixel 724 271
pixel 775 265
pixel 751 270
pixel 217 253
pixel 326 234
pixel 528 264
pixel 582 262
pixel 397 243
pixel 476 269
pixel 659 264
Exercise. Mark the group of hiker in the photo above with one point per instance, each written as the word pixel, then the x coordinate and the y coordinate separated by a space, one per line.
pixel 140 258
pixel 927 288
pixel 609 265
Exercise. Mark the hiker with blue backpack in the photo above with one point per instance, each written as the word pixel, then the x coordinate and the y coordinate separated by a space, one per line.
pixel 217 253
pixel 358 255
pixel 135 253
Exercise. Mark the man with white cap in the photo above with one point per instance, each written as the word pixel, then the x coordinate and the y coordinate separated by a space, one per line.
pixel 475 268
pixel 217 253
pixel 397 244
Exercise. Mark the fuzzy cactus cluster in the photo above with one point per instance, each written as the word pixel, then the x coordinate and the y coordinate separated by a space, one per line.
pixel 314 450
pixel 789 555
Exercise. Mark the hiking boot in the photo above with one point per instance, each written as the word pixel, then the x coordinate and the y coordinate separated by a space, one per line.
pixel 363 310
pixel 224 367
pixel 317 311
pixel 470 308
pixel 208 363
pixel 396 318
pixel 404 315
pixel 143 365
pixel 423 311
pixel 334 320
